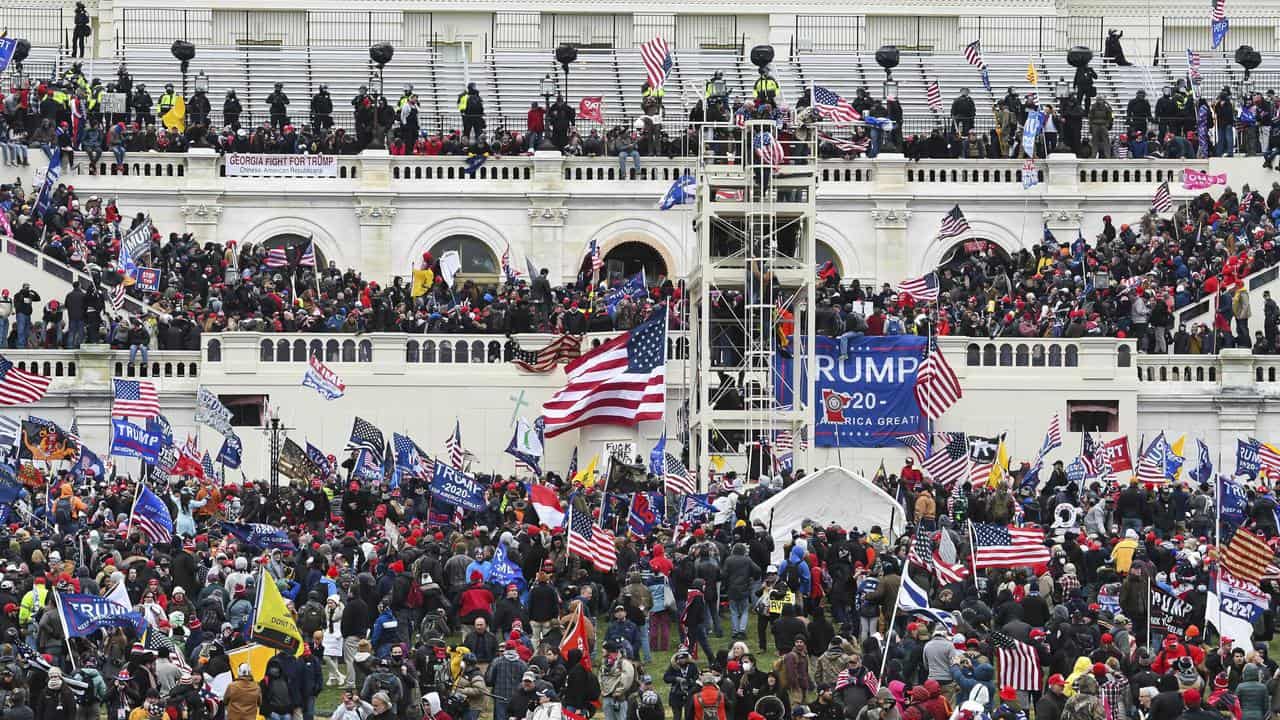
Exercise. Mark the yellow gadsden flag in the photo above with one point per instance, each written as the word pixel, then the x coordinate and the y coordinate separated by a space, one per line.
pixel 1001 466
pixel 1033 77
pixel 255 655
pixel 422 282
pixel 587 475
pixel 271 624
pixel 177 116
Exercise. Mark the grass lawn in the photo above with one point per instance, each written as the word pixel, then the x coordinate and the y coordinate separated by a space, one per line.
pixel 331 696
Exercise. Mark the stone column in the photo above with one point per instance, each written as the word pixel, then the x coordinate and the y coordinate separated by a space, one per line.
pixel 547 214
pixel 202 215
pixel 892 254
pixel 375 208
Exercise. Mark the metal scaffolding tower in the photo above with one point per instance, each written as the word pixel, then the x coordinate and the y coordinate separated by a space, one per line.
pixel 751 295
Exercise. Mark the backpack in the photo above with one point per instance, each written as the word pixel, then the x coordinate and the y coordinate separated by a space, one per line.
pixel 704 706
pixel 311 618
pixel 62 511
pixel 791 576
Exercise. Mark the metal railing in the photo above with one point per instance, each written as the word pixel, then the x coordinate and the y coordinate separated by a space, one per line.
pixel 531 30
pixel 1193 33
pixel 943 34
pixel 67 274
pixel 41 25
pixel 275 28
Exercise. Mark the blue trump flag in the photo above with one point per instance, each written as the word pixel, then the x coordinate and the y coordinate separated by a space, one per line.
pixel 84 615
pixel 1233 501
pixel 633 288
pixel 259 535
pixel 658 456
pixel 1035 122
pixel 229 454
pixel 505 572
pixel 1247 462
pixel 865 396
pixel 1219 29
pixel 129 440
pixel 51 177
pixel 457 488
pixel 8 46
pixel 645 514
pixel 317 456
pixel 696 508
pixel 88 466
pixel 1203 471
pixel 683 190
pixel 160 426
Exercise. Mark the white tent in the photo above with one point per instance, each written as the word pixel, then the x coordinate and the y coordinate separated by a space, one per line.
pixel 832 494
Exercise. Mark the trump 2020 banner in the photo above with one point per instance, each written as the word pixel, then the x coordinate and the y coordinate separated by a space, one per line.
pixel 129 440
pixel 83 615
pixel 457 488
pixel 865 398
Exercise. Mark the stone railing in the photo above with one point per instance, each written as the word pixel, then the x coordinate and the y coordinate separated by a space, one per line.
pixel 173 369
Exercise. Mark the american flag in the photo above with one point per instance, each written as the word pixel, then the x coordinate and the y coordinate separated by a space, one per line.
pixel 921 552
pixel 206 463
pixel 937 387
pixel 453 446
pixel 953 224
pixel 949 463
pixel 508 272
pixel 869 680
pixel 1247 556
pixel 10 431
pixel 277 258
pixel 858 145
pixel 1193 65
pixel 1053 437
pixel 621 382
pixel 1152 466
pixel 920 444
pixel 591 542
pixel 946 559
pixel 933 94
pixel 1219 10
pixel 678 479
pixel 1162 201
pixel 594 253
pixel 155 641
pixel 308 257
pixel 1002 546
pixel 1269 459
pixel 833 107
pixel 134 398
pixel 152 517
pixel 923 288
pixel 769 149
pixel 19 387
pixel 566 347
pixel 656 55
pixel 366 437
pixel 116 295
pixel 973 54
pixel 1018 663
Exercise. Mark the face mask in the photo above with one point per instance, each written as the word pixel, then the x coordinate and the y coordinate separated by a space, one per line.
pixel 746 667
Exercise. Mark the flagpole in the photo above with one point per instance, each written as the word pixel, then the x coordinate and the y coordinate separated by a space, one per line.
pixel 66 634
pixel 973 555
pixel 129 526
pixel 893 616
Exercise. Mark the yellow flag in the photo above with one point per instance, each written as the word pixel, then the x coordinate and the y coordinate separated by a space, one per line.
pixel 1176 447
pixel 422 282
pixel 1001 465
pixel 717 462
pixel 256 656
pixel 177 116
pixel 1033 77
pixel 271 624
pixel 587 475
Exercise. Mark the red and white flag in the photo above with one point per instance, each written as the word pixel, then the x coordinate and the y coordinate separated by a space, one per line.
pixel 591 108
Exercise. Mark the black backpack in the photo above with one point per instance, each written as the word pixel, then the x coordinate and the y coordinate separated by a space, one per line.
pixel 791 576
pixel 62 511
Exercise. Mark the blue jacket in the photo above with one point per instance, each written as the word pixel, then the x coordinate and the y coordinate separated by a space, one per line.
pixel 384 637
pixel 797 559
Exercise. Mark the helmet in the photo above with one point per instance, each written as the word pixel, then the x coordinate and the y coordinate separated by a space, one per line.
pixel 324 88
pixel 279 85
pixel 167 86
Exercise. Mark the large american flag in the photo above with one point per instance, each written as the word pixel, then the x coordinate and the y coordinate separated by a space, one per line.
pixel 949 463
pixel 1019 666
pixel 453 446
pixel 678 479
pixel 1002 546
pixel 134 398
pixel 937 387
pixel 591 542
pixel 656 55
pixel 933 94
pixel 1219 10
pixel 918 443
pixel 769 149
pixel 1193 65
pixel 833 107
pixel 308 257
pixel 1247 556
pixel 1268 459
pixel 1162 201
pixel 565 347
pixel 19 387
pixel 622 382
pixel 1053 437
pixel 277 258
pixel 953 224
pixel 923 288
pixel 858 145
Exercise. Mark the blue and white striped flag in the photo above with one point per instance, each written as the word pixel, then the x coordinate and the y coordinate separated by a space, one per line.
pixel 323 380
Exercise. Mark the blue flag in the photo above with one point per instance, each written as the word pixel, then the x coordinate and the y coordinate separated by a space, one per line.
pixel 505 572
pixel 259 535
pixel 10 488
pixel 658 456
pixel 646 512
pixel 88 466
pixel 1031 129
pixel 696 508
pixel 1233 501
pixel 986 78
pixel 51 177
pixel 160 426
pixel 1203 470
pixel 457 488
pixel 129 440
pixel 151 516
pixel 317 456
pixel 633 288
pixel 1247 462
pixel 683 190
pixel 84 615
pixel 1219 32
pixel 8 46
pixel 229 454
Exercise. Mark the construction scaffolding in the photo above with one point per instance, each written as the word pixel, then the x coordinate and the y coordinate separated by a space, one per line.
pixel 751 295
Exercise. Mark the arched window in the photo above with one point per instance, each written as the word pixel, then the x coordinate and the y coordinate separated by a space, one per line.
pixel 989 355
pixel 1021 356
pixel 411 351
pixel 477 351
pixel 1037 356
pixel 213 351
pixel 348 351
pixel 825 253
pixel 973 355
pixel 478 261
pixel 495 352
pixel 629 258
pixel 460 351
pixel 331 351
pixel 364 352
pixel 282 351
pixel 267 351
pixel 1006 355
pixel 299 350
pixel 428 351
pixel 446 351
pixel 1073 356
pixel 1055 356
pixel 315 349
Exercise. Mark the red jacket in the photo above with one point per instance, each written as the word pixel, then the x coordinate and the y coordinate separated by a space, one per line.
pixel 536 118
pixel 476 598
pixel 705 699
